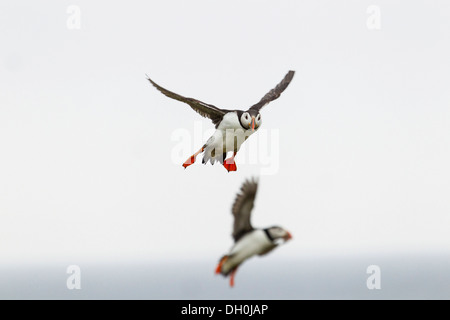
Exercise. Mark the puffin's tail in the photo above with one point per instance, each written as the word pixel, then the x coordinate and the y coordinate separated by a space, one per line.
pixel 212 155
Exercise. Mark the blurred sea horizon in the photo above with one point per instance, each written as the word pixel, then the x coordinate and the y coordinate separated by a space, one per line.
pixel 409 276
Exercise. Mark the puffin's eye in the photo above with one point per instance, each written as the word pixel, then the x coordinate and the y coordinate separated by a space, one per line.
pixel 246 116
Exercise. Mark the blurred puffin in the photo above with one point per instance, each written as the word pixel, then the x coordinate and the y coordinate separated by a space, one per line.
pixel 248 241
pixel 233 127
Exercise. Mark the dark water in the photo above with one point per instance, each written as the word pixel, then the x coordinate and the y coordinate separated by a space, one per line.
pixel 402 277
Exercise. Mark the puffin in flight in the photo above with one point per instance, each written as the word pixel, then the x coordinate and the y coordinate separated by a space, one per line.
pixel 233 127
pixel 248 240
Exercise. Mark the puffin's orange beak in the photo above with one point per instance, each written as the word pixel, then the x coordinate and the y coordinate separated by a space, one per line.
pixel 288 236
pixel 253 123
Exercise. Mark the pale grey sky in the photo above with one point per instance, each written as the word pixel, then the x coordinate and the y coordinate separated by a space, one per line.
pixel 86 164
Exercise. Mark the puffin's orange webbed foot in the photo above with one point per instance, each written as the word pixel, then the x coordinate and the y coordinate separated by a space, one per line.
pixel 233 273
pixel 189 161
pixel 229 164
pixel 219 266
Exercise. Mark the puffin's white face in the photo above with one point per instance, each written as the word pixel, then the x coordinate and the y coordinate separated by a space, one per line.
pixel 258 121
pixel 279 233
pixel 251 122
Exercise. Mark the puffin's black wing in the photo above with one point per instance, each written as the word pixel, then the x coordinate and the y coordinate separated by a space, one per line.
pixel 204 109
pixel 275 92
pixel 242 209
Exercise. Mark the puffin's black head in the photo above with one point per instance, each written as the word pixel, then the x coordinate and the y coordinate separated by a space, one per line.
pixel 274 233
pixel 250 119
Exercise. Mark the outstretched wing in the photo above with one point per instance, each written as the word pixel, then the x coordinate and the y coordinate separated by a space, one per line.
pixel 275 92
pixel 242 209
pixel 204 109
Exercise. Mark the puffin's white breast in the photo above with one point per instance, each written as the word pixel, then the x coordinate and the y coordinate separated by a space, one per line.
pixel 253 243
pixel 233 135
